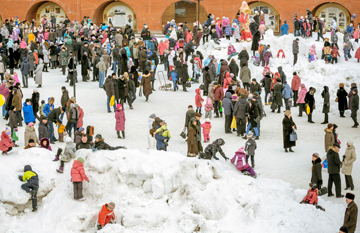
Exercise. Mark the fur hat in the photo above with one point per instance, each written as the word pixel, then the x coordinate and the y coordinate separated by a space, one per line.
pixel 350 196
pixel 316 155
pixel 287 112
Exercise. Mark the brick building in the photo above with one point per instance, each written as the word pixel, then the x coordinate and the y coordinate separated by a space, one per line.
pixel 156 13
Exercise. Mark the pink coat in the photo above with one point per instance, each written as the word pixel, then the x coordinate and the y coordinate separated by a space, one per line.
pixel 225 22
pixel 161 47
pixel 295 83
pixel 356 34
pixel 241 160
pixel 209 105
pixel 267 69
pixel 80 122
pixel 78 172
pixel 262 29
pixel 46 35
pixel 206 128
pixel 312 50
pixel 231 49
pixel 120 120
pixel 5 142
pixel 302 94
pixel 357 54
pixel 23 44
pixel 198 99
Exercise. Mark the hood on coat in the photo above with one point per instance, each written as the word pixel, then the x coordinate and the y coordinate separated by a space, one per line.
pixel 27 168
pixel 327 130
pixel 228 95
pixel 224 63
pixel 208 100
pixel 40 61
pixel 25 60
pixel 197 91
pixel 279 69
pixel 326 89
pixel 302 85
pixel 47 145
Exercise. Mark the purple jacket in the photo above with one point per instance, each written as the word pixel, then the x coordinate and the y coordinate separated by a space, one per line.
pixel 4 91
pixel 231 49
pixel 15 35
pixel 228 31
pixel 120 120
pixel 241 161
pixel 166 28
pixel 267 56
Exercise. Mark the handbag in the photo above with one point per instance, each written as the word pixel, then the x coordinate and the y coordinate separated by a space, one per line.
pixel 257 119
pixel 49 57
pixel 293 136
pixel 182 134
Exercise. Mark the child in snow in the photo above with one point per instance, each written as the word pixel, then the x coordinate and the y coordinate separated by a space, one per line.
pixel 14 136
pixel 32 184
pixel 198 100
pixel 231 51
pixel 174 77
pixel 77 177
pixel 41 109
pixel 257 59
pixel 250 147
pixel 262 29
pixel 78 134
pixel 44 143
pixel 228 31
pixel 312 53
pixel 211 150
pixel 152 140
pixel 6 143
pixel 16 78
pixel 209 107
pixel 106 215
pixel 61 131
pixel 68 155
pixel 120 121
pixel 334 55
pixel 326 50
pixel 346 51
pixel 312 197
pixel 206 130
pixel 101 145
pixel 237 36
pixel 240 162
pixel 197 71
pixel 267 56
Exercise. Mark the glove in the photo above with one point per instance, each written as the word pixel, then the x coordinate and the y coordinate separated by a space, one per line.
pixel 94 149
pixel 20 178
pixel 226 158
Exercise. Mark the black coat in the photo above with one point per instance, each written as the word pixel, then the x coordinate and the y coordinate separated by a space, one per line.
pixel 185 73
pixel 288 123
pixel 234 69
pixel 355 102
pixel 255 41
pixel 122 89
pixel 316 175
pixel 342 101
pixel 84 65
pixel 309 99
pixel 35 102
pixel 333 160
pixel 207 80
pixel 116 88
pixel 253 113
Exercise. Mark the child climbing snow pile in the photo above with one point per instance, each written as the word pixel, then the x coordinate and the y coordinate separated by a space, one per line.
pixel 312 197
pixel 240 162
pixel 32 184
pixel 68 155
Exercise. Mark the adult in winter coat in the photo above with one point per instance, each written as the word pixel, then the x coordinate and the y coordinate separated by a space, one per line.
pixel 218 96
pixel 234 68
pixel 146 85
pixel 28 112
pixel 277 96
pixel 243 57
pixel 245 76
pixel 120 121
pixel 84 67
pixel 207 80
pixel 43 128
pixel 316 175
pixel 310 101
pixel 351 213
pixel 253 114
pixel 288 127
pixel 355 107
pixel 38 73
pixel 282 74
pixel 334 165
pixel 31 59
pixel 110 92
pixel 295 86
pixel 241 109
pixel 30 133
pixel 255 86
pixel 341 99
pixel 212 70
pixel 329 137
pixel 353 86
pixel 192 142
pixel 326 107
pixel 255 42
pixel 224 67
pixel 287 95
pixel 348 160
pixel 301 99
pixel 25 69
pixel 228 111
pixel 284 28
pixel 295 49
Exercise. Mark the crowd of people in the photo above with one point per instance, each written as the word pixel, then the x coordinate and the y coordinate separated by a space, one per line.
pixel 228 90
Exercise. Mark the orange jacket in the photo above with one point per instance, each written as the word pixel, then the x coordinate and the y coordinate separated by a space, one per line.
pixel 105 215
pixel 36 58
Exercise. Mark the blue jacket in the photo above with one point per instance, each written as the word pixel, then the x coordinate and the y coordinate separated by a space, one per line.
pixel 349 29
pixel 284 29
pixel 48 108
pixel 207 61
pixel 28 113
pixel 160 140
pixel 287 92
pixel 174 75
pixel 151 46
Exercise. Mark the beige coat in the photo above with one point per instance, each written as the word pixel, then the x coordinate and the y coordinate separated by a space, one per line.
pixel 350 158
pixel 329 139
pixel 30 134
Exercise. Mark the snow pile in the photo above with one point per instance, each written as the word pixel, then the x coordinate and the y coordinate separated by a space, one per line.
pixel 155 192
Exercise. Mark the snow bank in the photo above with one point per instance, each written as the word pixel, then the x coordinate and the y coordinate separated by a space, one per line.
pixel 155 192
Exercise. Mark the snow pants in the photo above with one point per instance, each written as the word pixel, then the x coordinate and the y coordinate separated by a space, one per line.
pixel 28 187
pixel 78 187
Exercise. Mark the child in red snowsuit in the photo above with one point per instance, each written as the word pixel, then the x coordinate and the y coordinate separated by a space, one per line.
pixel 198 100
pixel 206 130
pixel 312 197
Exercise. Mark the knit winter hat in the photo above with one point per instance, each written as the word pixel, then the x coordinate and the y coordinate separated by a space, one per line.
pixel 111 205
pixel 118 106
pixel 98 136
pixel 316 155
pixel 73 98
pixel 30 124
pixel 287 112
pixel 7 131
pixel 68 139
pixel 350 142
pixel 81 129
pixel 152 115
pixel 350 196
pixel 80 160
pixel 42 101
pixel 31 140
pixel 241 150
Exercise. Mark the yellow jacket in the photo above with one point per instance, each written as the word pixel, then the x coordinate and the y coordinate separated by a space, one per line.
pixel 27 175
pixel 61 129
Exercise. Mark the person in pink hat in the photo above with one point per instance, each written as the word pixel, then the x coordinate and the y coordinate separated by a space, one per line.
pixel 240 162
pixel 120 121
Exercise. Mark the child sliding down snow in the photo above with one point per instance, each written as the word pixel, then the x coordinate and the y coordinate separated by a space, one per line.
pixel 240 162
pixel 212 149
pixel 101 145
pixel 312 197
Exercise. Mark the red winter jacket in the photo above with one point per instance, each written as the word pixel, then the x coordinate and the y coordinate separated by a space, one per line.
pixel 311 196
pixel 161 47
pixel 80 122
pixel 227 80
pixel 78 172
pixel 295 83
pixel 105 215
pixel 198 98
pixel 198 59
pixel 5 142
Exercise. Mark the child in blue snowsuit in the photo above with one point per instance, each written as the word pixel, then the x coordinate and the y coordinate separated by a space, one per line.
pixel 174 76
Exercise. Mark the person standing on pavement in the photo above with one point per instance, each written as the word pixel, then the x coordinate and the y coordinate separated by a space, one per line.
pixel 334 165
pixel 295 85
pixel 109 89
pixel 348 159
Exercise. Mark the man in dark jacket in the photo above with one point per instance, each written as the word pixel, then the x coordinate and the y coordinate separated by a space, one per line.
pixel 101 145
pixel 207 81
pixel 320 29
pixel 228 111
pixel 96 70
pixel 295 49
pixel 43 128
pixel 334 165
pixel 282 74
pixel 189 114
pixel 83 144
pixel 218 96
pixel 64 99
pixel 351 213
pixel 255 86
pixel 110 92
pixel 32 184
pixel 354 107
pixel 54 117
pixel 188 48
pixel 241 109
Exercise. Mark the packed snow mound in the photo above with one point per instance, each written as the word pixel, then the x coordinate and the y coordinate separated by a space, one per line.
pixel 316 74
pixel 155 192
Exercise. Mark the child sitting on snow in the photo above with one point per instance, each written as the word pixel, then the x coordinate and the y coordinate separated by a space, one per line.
pixel 206 130
pixel 44 143
pixel 32 184
pixel 101 145
pixel 231 51
pixel 240 162
pixel 6 143
pixel 312 197
pixel 68 155
pixel 209 107
pixel 250 147
pixel 212 149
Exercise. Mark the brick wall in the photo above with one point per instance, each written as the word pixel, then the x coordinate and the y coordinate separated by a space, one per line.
pixel 151 11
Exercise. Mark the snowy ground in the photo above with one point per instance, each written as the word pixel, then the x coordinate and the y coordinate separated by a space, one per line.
pixel 167 192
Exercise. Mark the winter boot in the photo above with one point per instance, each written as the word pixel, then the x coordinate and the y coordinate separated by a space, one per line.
pixel 278 109
pixel 56 158
pixel 290 150
pixel 118 134
pixel 123 134
pixel 310 117
pixel 60 170
pixel 286 150
pixel 220 114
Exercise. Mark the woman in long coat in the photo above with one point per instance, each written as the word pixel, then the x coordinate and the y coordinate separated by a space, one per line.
pixel 341 99
pixel 31 60
pixel 347 165
pixel 255 42
pixel 288 126
pixel 316 175
pixel 326 107
pixel 38 73
pixel 46 58
pixel 253 113
pixel 146 84
pixel 84 67
pixel 277 96
pixel 192 142
pixel 53 55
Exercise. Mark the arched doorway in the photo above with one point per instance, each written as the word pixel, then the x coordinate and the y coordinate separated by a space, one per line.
pixel 329 11
pixel 49 9
pixel 119 14
pixel 184 11
pixel 272 18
